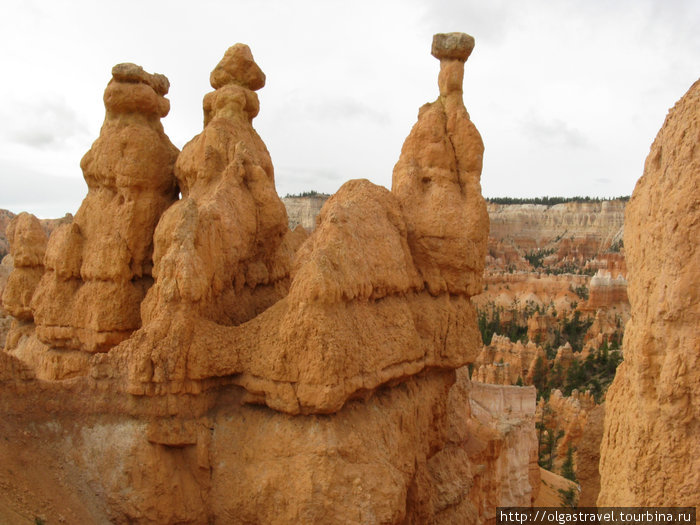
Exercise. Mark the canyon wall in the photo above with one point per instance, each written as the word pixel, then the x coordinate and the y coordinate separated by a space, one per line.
pixel 304 210
pixel 582 230
pixel 650 453
pixel 536 225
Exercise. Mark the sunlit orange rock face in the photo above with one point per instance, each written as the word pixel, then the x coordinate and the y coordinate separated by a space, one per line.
pixel 437 184
pixel 219 250
pixel 223 266
pixel 28 245
pixel 28 236
pixel 196 361
pixel 98 267
pixel 650 453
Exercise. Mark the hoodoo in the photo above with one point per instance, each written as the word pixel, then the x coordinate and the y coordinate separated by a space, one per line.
pixel 231 370
pixel 98 268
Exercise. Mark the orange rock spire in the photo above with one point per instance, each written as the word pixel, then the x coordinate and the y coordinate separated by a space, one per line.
pixel 436 181
pixel 98 268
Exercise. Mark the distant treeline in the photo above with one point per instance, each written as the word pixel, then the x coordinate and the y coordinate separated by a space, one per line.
pixel 551 201
pixel 311 193
pixel 546 201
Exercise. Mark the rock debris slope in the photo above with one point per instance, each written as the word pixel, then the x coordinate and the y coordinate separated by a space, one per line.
pixel 650 454
pixel 270 377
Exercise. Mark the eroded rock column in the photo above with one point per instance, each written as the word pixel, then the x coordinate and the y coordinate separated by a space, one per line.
pixel 27 247
pixel 98 268
pixel 436 180
pixel 219 252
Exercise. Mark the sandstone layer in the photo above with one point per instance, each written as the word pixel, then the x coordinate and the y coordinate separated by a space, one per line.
pixel 582 228
pixel 607 292
pixel 503 362
pixel 650 453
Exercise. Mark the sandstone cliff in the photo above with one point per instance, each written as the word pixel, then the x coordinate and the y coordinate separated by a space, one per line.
pixel 568 416
pixel 607 292
pixel 650 454
pixel 536 225
pixel 304 210
pixel 504 362
pixel 584 234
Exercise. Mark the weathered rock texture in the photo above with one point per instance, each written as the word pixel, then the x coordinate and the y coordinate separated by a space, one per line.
pixel 210 312
pixel 650 454
pixel 98 267
pixel 49 225
pixel 503 422
pixel 437 184
pixel 568 414
pixel 28 245
pixel 219 250
pixel 270 377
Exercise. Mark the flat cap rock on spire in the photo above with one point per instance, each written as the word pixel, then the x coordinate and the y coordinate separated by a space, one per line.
pixel 132 73
pixel 457 46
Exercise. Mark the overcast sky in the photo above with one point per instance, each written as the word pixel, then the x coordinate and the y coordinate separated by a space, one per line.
pixel 568 95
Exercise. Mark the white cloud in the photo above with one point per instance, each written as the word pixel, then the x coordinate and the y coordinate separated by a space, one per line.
pixel 563 92
pixel 44 195
pixel 42 123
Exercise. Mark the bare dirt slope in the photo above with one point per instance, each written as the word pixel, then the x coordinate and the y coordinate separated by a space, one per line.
pixel 35 486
